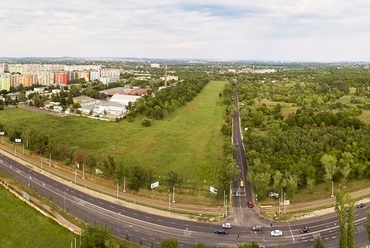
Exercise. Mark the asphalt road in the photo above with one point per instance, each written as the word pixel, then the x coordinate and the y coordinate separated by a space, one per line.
pixel 94 208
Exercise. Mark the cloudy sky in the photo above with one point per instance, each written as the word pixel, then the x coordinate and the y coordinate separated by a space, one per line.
pixel 279 30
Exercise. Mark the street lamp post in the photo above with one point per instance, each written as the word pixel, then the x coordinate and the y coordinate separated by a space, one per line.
pixel 64 205
pixel 332 188
pixel 169 200
pixel 124 184
pixel 29 177
pixel 119 214
pixel 284 201
pixel 117 189
pixel 173 194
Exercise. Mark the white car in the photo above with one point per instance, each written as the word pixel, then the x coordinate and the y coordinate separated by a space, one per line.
pixel 277 233
pixel 226 225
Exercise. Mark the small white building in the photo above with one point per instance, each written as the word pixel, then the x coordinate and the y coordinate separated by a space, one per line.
pixel 110 108
pixel 124 99
pixel 39 90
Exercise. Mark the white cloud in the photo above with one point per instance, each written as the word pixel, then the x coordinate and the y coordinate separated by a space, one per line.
pixel 220 29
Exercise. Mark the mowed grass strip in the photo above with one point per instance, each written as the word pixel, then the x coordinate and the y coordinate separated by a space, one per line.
pixel 23 226
pixel 188 141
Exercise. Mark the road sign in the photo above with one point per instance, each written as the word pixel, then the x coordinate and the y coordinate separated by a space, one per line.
pixel 154 185
pixel 213 190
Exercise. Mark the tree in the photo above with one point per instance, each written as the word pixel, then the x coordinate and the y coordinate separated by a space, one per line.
pixel 277 178
pixel 137 177
pixel 96 237
pixel 109 166
pixel 318 243
pixel 341 211
pixel 200 245
pixel 172 179
pixel 254 244
pixel 350 226
pixel 346 162
pixel 170 243
pixel 330 166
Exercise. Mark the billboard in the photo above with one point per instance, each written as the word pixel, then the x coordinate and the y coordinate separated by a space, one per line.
pixel 154 185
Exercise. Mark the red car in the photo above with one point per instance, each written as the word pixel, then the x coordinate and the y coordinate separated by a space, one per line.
pixel 250 204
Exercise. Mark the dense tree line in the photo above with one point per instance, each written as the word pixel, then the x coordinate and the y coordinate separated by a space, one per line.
pixel 290 151
pixel 166 100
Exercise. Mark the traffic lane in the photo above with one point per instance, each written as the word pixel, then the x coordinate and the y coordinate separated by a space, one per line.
pixel 205 227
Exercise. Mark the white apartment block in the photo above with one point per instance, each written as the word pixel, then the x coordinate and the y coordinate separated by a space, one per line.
pixel 94 75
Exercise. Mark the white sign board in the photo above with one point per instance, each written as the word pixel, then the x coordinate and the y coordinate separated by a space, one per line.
pixel 2 133
pixel 154 185
pixel 18 140
pixel 213 190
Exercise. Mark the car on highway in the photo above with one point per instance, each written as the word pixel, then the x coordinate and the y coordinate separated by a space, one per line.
pixel 220 231
pixel 361 205
pixel 226 225
pixel 305 229
pixel 276 233
pixel 257 228
pixel 250 204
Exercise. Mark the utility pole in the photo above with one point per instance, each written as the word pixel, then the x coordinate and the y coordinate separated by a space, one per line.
pixel 124 184
pixel 226 208
pixel 280 200
pixel 169 200
pixel 332 188
pixel 284 203
pixel 173 194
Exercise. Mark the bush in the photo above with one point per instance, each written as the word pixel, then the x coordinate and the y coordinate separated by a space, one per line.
pixel 146 122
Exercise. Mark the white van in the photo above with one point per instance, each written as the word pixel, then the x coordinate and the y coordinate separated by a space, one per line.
pixel 226 225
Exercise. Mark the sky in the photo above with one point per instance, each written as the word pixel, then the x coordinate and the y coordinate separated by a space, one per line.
pixel 268 30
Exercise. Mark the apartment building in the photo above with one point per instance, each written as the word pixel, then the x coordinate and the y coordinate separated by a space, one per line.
pixel 60 78
pixel 94 75
pixel 4 82
pixel 85 75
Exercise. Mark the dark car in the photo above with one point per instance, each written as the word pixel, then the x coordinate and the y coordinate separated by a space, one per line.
pixel 220 231
pixel 305 229
pixel 250 204
pixel 257 228
pixel 361 205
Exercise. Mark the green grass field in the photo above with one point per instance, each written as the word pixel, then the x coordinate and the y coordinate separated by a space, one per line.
pixel 23 226
pixel 188 142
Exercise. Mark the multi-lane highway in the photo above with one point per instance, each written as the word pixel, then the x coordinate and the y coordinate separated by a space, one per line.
pixel 123 220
